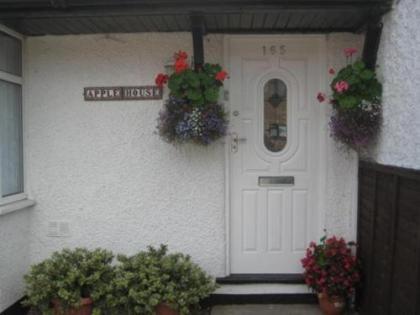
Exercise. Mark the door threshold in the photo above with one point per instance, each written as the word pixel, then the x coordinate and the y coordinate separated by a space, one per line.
pixel 262 278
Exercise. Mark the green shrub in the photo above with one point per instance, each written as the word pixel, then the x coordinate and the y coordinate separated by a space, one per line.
pixel 68 276
pixel 152 277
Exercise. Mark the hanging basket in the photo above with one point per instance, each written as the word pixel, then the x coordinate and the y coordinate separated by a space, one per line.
pixel 356 100
pixel 192 113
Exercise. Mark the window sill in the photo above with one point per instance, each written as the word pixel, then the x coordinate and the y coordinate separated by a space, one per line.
pixel 16 206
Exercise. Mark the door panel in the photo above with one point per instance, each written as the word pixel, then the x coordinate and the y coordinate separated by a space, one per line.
pixel 273 95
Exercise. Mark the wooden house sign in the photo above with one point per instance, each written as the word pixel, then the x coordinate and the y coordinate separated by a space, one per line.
pixel 122 93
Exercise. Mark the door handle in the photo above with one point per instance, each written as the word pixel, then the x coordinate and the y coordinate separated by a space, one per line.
pixel 235 142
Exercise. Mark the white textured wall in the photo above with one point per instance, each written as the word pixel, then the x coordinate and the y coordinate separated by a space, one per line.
pixel 399 69
pixel 14 256
pixel 341 202
pixel 99 166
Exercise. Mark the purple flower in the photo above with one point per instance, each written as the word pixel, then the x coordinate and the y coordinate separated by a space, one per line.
pixel 355 127
pixel 180 121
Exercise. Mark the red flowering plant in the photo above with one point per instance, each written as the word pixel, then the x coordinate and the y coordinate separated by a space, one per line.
pixel 356 101
pixel 331 268
pixel 192 112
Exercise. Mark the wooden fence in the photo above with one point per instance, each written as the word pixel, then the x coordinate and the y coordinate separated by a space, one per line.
pixel 389 240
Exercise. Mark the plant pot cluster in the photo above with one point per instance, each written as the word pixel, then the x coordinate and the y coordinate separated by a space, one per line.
pixel 84 282
pixel 331 271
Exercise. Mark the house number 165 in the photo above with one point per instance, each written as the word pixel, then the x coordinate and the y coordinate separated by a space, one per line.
pixel 274 50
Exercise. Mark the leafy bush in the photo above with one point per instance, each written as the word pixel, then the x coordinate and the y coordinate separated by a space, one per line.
pixel 152 277
pixel 68 276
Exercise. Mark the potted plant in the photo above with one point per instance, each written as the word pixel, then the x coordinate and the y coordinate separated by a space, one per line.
pixel 192 112
pixel 70 282
pixel 332 271
pixel 155 282
pixel 356 101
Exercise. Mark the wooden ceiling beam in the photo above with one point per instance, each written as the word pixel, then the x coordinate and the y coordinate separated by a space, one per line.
pixel 188 7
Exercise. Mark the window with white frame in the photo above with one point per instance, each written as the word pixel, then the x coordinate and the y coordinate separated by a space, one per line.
pixel 11 145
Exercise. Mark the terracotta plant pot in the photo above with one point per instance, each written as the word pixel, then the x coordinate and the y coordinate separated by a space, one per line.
pixel 331 305
pixel 84 309
pixel 164 309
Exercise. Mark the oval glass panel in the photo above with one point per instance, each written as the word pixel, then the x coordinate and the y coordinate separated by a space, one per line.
pixel 275 115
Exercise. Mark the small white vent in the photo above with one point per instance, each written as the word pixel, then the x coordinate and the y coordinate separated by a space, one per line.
pixel 58 229
pixel 64 229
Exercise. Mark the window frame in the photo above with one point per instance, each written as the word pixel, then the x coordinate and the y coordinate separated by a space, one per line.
pixel 15 79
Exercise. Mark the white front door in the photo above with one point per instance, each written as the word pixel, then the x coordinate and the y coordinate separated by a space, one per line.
pixel 275 170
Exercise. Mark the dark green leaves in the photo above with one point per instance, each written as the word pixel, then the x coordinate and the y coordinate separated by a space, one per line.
pixel 152 277
pixel 348 101
pixel 367 75
pixel 211 95
pixel 135 286
pixel 68 276
pixel 363 86
pixel 197 87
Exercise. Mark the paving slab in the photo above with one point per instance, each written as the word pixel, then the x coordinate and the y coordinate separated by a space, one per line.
pixel 277 309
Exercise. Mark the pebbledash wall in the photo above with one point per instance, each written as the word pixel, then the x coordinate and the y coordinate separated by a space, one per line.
pixel 14 255
pixel 99 167
pixel 399 69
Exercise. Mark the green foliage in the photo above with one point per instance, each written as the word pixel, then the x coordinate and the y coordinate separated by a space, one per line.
pixel 68 276
pixel 135 286
pixel 363 86
pixel 356 100
pixel 152 277
pixel 198 87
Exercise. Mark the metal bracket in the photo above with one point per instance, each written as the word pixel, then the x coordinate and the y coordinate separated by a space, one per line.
pixel 198 30
pixel 372 40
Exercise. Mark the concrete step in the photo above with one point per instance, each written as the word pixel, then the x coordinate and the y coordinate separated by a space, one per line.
pixel 262 294
pixel 263 288
pixel 277 309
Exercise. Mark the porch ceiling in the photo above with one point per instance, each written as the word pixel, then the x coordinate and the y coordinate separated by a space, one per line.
pixel 41 17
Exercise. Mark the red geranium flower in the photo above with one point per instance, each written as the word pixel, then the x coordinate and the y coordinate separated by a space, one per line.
pixel 161 79
pixel 331 71
pixel 330 267
pixel 181 55
pixel 341 86
pixel 221 75
pixel 321 98
pixel 348 52
pixel 180 65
